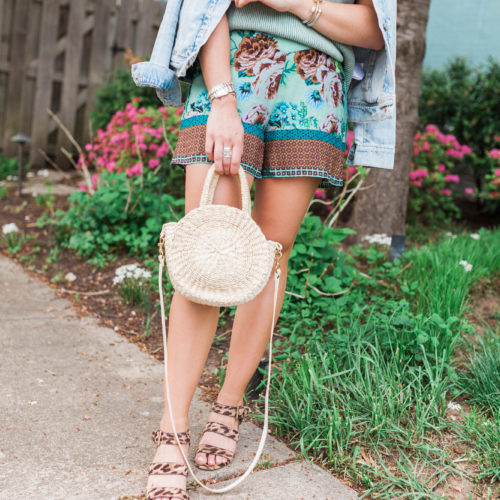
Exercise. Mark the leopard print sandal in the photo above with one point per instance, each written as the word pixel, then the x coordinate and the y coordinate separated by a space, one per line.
pixel 159 436
pixel 239 412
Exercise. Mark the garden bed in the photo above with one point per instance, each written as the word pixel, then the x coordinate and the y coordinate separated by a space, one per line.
pixel 93 293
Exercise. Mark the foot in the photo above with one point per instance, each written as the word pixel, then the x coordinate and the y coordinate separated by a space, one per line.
pixel 168 453
pixel 215 439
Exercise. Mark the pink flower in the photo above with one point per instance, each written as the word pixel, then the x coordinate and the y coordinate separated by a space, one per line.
pixel 426 146
pixel 441 168
pixel 497 172
pixel 88 147
pixel 431 128
pixel 452 178
pixel 446 192
pixel 466 150
pixel 162 150
pixel 136 169
pixel 153 162
pixel 415 151
pixel 494 195
pixel 82 187
pixel 179 111
pixel 495 153
pixel 417 174
pixel 469 190
pixel 319 193
pixel 349 139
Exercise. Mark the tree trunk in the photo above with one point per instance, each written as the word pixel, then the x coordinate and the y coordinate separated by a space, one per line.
pixel 382 208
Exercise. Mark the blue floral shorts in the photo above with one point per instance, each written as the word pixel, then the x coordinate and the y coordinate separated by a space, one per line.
pixel 292 102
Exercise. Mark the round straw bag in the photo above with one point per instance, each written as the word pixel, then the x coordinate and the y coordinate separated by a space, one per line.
pixel 218 255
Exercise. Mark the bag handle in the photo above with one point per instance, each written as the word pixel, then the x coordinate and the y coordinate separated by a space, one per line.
pixel 277 273
pixel 207 195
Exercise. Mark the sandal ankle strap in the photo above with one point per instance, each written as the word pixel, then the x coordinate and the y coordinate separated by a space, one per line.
pixel 159 436
pixel 231 411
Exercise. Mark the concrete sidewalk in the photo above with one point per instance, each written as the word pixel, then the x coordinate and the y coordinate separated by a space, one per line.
pixel 79 402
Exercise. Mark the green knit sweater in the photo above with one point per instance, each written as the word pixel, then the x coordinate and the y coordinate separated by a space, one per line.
pixel 259 17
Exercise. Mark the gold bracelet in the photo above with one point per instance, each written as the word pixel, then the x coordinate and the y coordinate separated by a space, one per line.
pixel 315 13
pixel 316 18
pixel 311 15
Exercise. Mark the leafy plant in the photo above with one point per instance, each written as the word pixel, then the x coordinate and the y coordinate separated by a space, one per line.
pixel 124 214
pixel 8 167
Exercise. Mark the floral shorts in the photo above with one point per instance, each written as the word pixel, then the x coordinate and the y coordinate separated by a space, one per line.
pixel 292 102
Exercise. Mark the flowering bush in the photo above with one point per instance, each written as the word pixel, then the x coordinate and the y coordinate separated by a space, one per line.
pixel 133 284
pixel 131 190
pixel 13 237
pixel 433 177
pixel 135 140
pixel 491 189
pixel 432 181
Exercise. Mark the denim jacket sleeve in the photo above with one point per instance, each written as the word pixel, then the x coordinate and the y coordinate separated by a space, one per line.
pixel 184 29
pixel 372 100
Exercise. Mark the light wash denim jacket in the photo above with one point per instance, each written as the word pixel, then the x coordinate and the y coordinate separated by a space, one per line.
pixel 187 25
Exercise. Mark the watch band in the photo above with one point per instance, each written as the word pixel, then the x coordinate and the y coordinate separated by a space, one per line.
pixel 221 90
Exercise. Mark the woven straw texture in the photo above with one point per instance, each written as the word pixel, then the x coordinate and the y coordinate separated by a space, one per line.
pixel 217 254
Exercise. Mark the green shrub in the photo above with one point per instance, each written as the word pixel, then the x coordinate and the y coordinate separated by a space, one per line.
pixel 122 215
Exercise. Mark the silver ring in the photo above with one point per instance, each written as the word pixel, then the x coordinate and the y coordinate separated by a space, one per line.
pixel 228 153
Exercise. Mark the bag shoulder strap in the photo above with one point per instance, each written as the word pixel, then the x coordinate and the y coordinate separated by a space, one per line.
pixel 264 430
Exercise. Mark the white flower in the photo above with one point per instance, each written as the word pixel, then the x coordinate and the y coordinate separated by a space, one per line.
pixel 10 228
pixel 130 271
pixel 381 238
pixel 454 406
pixel 70 277
pixel 29 175
pixel 467 266
pixel 43 172
pixel 451 235
pixel 474 236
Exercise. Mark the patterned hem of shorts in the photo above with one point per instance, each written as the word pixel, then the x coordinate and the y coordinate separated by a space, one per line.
pixel 327 179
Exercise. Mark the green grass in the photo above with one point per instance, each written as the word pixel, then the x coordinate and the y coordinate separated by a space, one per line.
pixel 482 379
pixel 364 378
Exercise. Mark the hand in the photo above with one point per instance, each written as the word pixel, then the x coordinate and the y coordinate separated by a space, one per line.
pixel 224 129
pixel 279 5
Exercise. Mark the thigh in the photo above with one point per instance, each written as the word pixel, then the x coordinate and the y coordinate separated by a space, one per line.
pixel 280 206
pixel 227 191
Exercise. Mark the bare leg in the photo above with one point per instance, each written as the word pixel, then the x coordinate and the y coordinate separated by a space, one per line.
pixel 279 208
pixel 191 331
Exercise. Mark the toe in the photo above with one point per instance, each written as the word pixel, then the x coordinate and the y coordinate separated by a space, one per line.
pixel 211 459
pixel 201 458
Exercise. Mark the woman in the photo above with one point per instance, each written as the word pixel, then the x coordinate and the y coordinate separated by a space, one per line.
pixel 290 62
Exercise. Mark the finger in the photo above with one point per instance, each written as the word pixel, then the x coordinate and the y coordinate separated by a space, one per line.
pixel 218 157
pixel 209 147
pixel 226 161
pixel 236 159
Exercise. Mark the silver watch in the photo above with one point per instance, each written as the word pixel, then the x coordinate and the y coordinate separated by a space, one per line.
pixel 221 90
